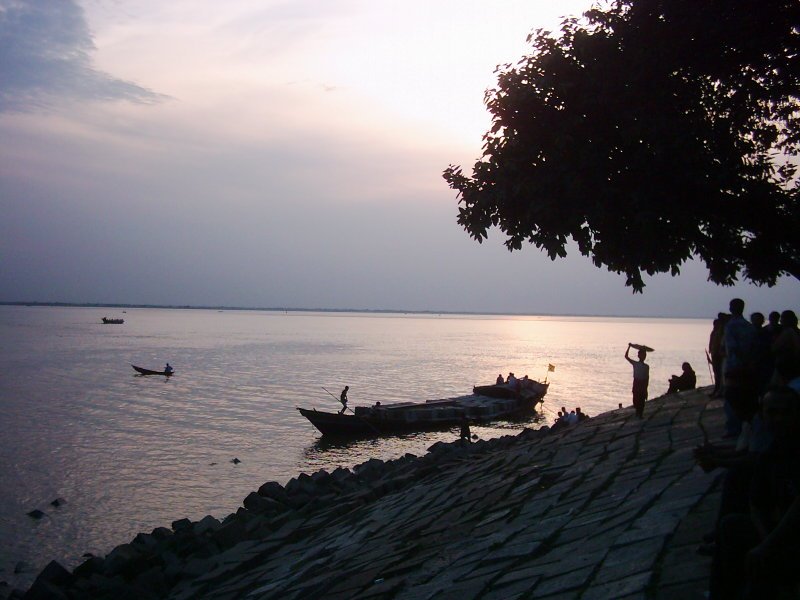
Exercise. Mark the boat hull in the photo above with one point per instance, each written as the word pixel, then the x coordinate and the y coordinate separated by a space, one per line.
pixel 142 371
pixel 424 416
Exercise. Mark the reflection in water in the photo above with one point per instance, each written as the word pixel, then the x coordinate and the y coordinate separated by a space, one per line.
pixel 330 452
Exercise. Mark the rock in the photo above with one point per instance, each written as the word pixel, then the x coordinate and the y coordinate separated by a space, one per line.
pixel 125 560
pixel 58 502
pixel 22 567
pixel 262 505
pixel 44 590
pixel 89 567
pixel 181 524
pixel 161 533
pixel 205 525
pixel 229 534
pixel 340 474
pixel 145 541
pixel 55 573
pixel 370 469
pixel 273 490
pixel 36 514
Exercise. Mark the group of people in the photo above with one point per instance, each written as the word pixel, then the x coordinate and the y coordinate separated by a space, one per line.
pixel 756 538
pixel 512 381
pixel 572 417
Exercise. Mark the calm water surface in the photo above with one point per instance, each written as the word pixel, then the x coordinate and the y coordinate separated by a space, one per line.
pixel 131 453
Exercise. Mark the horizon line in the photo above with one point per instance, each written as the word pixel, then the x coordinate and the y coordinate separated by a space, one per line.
pixel 327 310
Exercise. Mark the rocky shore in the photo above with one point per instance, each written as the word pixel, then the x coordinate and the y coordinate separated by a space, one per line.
pixel 612 507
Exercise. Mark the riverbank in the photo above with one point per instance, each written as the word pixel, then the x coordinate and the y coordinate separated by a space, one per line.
pixel 612 507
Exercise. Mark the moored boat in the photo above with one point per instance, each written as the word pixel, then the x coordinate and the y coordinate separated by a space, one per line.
pixel 108 321
pixel 142 371
pixel 404 417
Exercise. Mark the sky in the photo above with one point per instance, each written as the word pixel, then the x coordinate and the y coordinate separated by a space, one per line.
pixel 278 154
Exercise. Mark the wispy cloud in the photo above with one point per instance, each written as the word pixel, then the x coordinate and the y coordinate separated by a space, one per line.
pixel 46 57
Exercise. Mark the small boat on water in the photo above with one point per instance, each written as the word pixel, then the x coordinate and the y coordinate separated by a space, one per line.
pixel 108 321
pixel 142 371
pixel 404 417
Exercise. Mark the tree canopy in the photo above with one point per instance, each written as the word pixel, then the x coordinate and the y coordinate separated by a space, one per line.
pixel 649 132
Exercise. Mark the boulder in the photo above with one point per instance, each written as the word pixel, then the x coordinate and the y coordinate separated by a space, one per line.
pixel 230 534
pixel 261 505
pixel 181 524
pixel 206 525
pixel 370 469
pixel 161 533
pixel 274 490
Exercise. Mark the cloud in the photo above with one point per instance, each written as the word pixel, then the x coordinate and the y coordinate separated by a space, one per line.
pixel 45 57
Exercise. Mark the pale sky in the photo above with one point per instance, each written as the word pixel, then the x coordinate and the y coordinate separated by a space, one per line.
pixel 277 154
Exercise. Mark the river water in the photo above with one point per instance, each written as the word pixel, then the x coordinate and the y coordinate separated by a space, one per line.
pixel 128 453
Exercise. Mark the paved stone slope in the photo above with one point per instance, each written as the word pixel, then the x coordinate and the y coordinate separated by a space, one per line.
pixel 613 507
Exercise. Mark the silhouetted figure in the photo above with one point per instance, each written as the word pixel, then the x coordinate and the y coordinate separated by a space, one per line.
pixel 773 325
pixel 716 349
pixel 786 347
pixel 641 379
pixel 687 380
pixel 763 363
pixel 466 435
pixel 500 380
pixel 343 399
pixel 740 389
pixel 168 369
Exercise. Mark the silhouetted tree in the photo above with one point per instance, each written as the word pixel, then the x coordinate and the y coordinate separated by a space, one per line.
pixel 649 132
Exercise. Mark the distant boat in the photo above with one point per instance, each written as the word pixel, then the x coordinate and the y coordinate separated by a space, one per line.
pixel 108 321
pixel 142 371
pixel 405 417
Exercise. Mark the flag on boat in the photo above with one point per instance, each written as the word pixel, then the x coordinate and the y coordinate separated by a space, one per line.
pixel 551 368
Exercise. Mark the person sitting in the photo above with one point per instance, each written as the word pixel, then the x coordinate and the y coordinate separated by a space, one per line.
pixel 572 418
pixel 511 381
pixel 685 381
pixel 582 416
pixel 500 380
pixel 168 369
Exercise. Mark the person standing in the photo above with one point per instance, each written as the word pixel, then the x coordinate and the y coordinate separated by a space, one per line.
pixel 716 350
pixel 343 399
pixel 641 379
pixel 739 390
pixel 466 434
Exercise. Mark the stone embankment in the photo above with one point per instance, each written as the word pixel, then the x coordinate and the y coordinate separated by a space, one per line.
pixel 613 507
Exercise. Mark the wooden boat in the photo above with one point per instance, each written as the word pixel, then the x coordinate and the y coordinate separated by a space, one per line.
pixel 404 417
pixel 108 321
pixel 142 371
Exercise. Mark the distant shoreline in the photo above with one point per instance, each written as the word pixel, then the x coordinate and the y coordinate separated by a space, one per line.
pixel 332 310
